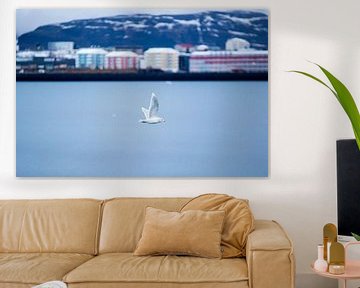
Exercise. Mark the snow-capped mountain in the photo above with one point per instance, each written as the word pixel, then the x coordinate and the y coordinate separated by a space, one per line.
pixel 212 28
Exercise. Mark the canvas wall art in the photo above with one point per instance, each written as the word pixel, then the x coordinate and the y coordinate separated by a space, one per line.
pixel 141 93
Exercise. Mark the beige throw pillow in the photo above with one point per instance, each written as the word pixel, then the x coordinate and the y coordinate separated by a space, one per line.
pixel 239 220
pixel 196 233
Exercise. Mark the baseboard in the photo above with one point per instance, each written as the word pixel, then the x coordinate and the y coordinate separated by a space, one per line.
pixel 310 280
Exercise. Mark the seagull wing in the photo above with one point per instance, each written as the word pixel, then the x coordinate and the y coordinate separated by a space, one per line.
pixel 154 106
pixel 146 112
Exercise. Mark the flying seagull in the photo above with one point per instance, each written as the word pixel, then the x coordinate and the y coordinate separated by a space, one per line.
pixel 151 116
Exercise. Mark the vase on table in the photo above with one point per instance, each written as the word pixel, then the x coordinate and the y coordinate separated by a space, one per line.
pixel 320 264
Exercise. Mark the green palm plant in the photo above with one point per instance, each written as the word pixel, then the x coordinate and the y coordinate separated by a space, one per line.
pixel 357 237
pixel 344 97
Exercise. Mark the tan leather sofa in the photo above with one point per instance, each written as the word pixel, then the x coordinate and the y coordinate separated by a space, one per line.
pixel 89 243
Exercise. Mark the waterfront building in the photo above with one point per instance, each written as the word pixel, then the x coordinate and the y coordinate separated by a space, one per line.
pixel 202 47
pixel 141 60
pixel 121 60
pixel 236 44
pixel 91 58
pixel 247 61
pixel 64 64
pixel 61 46
pixel 133 48
pixel 30 54
pixel 62 54
pixel 184 60
pixel 166 59
pixel 22 62
pixel 184 47
pixel 62 49
pixel 43 64
pixel 25 55
pixel 42 54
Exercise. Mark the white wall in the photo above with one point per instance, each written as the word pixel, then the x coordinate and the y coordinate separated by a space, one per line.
pixel 304 123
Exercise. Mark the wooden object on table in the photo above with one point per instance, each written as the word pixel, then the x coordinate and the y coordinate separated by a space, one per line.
pixel 329 236
pixel 337 258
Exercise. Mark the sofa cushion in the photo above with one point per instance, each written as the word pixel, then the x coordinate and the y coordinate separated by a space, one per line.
pixel 123 220
pixel 194 232
pixel 15 285
pixel 63 226
pixel 239 220
pixel 126 268
pixel 36 268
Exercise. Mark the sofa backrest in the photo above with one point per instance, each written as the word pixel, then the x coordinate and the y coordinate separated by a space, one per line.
pixel 123 220
pixel 67 226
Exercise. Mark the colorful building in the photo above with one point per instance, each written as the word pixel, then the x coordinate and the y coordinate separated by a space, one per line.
pixel 91 58
pixel 166 59
pixel 121 60
pixel 246 60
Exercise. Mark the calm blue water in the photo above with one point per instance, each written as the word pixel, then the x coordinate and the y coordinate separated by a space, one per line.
pixel 92 129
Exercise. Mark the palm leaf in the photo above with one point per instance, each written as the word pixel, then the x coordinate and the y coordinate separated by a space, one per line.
pixel 344 97
pixel 357 237
pixel 316 79
pixel 346 101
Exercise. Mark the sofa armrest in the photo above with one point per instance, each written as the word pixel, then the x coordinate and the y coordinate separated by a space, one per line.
pixel 269 256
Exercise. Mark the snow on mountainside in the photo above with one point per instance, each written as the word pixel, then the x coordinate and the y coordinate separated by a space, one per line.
pixel 211 28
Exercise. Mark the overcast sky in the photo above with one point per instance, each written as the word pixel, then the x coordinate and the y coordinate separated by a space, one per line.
pixel 29 19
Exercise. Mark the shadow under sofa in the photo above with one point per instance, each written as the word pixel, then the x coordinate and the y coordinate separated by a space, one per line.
pixel 90 243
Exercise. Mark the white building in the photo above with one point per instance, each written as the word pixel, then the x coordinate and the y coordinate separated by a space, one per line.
pixel 202 47
pixel 166 59
pixel 61 54
pixel 142 64
pixel 121 60
pixel 249 61
pixel 62 49
pixel 91 58
pixel 25 54
pixel 236 44
pixel 31 54
pixel 61 46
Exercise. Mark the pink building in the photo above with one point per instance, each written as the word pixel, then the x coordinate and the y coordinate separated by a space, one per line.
pixel 121 60
pixel 246 60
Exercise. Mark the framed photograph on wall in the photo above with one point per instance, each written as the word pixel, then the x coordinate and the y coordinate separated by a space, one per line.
pixel 141 93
